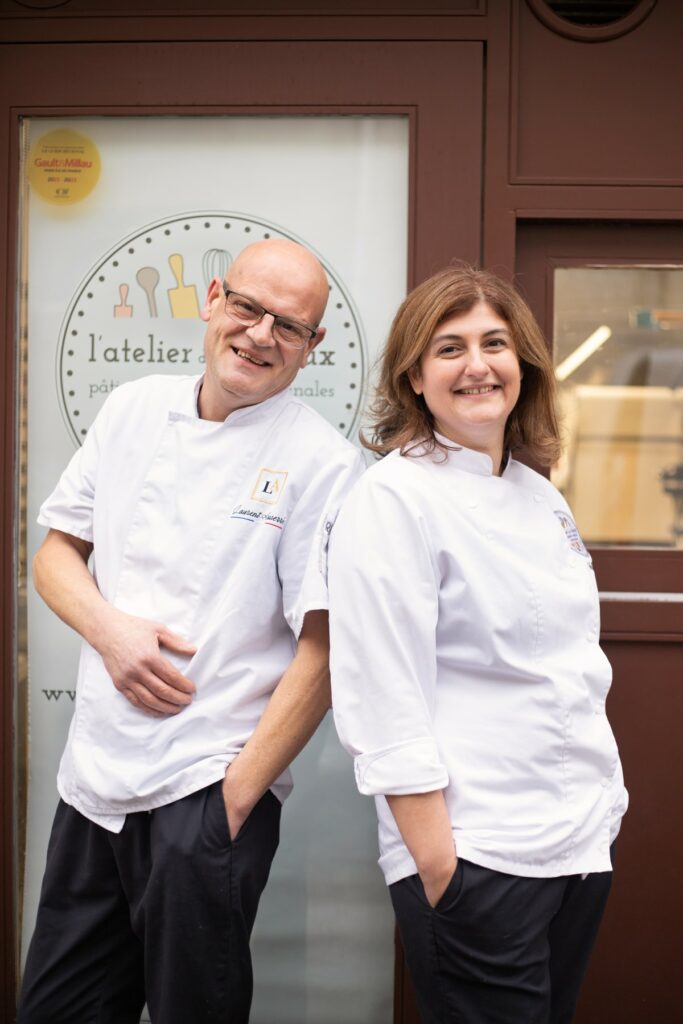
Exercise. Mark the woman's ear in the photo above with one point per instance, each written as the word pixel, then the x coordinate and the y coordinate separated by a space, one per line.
pixel 415 378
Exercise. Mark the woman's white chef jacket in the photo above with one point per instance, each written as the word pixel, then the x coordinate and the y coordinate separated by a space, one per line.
pixel 217 530
pixel 464 622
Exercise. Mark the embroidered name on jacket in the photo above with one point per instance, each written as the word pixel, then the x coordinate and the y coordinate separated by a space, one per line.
pixel 254 515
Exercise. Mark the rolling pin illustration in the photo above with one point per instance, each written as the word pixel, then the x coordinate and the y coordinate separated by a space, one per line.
pixel 183 299
pixel 123 309
pixel 148 279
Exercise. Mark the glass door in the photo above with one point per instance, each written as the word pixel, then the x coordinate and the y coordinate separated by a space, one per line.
pixel 125 221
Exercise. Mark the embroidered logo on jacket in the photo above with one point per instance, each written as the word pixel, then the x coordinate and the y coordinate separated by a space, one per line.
pixel 269 486
pixel 571 533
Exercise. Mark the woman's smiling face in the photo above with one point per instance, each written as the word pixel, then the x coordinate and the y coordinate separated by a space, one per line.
pixel 470 378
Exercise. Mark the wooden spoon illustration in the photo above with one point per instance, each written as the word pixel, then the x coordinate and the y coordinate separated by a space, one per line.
pixel 148 279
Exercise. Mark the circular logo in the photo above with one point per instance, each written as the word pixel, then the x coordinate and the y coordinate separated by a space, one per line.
pixel 137 312
pixel 63 166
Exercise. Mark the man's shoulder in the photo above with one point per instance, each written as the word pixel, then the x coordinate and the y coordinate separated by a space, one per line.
pixel 143 401
pixel 311 432
pixel 160 387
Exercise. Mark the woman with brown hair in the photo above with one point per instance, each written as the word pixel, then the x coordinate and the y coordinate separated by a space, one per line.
pixel 468 683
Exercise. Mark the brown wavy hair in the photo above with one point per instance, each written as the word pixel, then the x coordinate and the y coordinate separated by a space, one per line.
pixel 401 419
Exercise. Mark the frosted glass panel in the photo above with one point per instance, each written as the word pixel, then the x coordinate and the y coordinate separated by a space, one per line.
pixel 124 222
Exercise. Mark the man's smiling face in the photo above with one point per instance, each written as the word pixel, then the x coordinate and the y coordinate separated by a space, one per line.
pixel 246 365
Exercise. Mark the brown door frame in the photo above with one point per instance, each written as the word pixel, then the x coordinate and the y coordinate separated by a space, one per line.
pixel 417 79
pixel 544 245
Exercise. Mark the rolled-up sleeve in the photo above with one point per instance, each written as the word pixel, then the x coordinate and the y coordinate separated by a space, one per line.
pixel 71 505
pixel 384 598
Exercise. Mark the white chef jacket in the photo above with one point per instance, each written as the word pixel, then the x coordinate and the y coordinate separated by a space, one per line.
pixel 464 620
pixel 217 530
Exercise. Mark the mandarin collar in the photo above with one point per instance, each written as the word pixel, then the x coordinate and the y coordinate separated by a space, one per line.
pixel 188 404
pixel 466 459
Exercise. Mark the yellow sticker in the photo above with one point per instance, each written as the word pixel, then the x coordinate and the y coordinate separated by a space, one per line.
pixel 63 166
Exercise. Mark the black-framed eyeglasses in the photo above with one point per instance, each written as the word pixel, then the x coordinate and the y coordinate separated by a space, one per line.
pixel 248 312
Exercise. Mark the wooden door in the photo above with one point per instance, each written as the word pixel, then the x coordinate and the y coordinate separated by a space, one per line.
pixel 225 77
pixel 632 976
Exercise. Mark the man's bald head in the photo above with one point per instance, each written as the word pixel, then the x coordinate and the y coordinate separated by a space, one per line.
pixel 284 266
pixel 245 363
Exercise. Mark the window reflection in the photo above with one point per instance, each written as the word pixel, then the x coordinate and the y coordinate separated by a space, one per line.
pixel 618 343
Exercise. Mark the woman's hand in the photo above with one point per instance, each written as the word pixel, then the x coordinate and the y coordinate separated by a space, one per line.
pixel 435 878
pixel 423 821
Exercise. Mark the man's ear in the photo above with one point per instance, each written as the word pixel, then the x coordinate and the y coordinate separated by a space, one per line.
pixel 305 352
pixel 319 335
pixel 215 292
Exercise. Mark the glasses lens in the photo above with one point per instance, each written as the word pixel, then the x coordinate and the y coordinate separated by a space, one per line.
pixel 243 309
pixel 290 334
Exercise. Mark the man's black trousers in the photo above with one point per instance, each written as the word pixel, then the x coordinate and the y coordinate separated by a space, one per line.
pixel 498 948
pixel 162 912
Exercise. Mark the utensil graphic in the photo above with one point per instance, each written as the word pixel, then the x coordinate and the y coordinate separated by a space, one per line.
pixel 215 263
pixel 148 279
pixel 123 309
pixel 183 298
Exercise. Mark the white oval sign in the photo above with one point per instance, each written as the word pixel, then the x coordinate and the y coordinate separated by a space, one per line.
pixel 137 312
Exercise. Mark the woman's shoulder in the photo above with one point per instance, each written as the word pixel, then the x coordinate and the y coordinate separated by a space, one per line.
pixel 529 478
pixel 397 469
pixel 395 479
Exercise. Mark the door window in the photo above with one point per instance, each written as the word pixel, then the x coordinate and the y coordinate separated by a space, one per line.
pixel 618 346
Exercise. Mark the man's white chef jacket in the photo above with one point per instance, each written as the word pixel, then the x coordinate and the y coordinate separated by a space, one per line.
pixel 464 621
pixel 217 530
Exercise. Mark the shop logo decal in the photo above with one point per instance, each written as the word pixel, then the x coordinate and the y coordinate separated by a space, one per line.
pixel 137 311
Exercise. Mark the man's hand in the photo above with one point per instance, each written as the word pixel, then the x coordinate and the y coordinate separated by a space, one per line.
pixel 292 715
pixel 236 814
pixel 130 650
pixel 129 646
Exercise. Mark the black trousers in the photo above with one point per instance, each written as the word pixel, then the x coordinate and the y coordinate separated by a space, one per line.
pixel 162 911
pixel 498 948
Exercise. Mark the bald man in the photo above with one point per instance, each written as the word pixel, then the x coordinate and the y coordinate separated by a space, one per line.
pixel 206 505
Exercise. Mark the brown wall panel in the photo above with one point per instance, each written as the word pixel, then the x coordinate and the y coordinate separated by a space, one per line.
pixel 244 7
pixel 439 85
pixel 634 974
pixel 597 112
